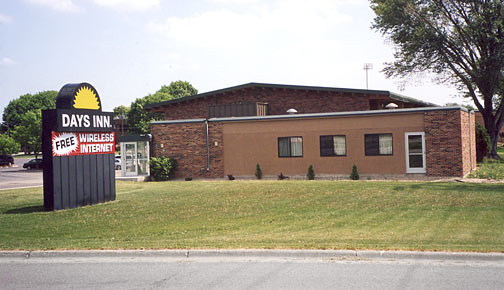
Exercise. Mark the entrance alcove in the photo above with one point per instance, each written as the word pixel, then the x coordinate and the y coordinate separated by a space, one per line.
pixel 135 155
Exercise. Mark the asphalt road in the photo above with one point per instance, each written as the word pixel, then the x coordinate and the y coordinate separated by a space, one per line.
pixel 246 272
pixel 17 176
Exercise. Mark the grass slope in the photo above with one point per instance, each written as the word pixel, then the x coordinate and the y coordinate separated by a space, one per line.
pixel 265 214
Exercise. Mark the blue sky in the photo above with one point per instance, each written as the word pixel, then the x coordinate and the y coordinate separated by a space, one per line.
pixel 129 48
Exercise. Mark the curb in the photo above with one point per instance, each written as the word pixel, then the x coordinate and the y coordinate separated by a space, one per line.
pixel 285 254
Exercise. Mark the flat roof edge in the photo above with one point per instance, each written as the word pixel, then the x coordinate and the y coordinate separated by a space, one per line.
pixel 314 115
pixel 337 114
pixel 181 121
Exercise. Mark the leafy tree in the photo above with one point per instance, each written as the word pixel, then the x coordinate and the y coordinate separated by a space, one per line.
pixel 121 111
pixel 482 142
pixel 29 132
pixel 139 119
pixel 177 89
pixel 467 106
pixel 15 110
pixel 461 41
pixel 8 145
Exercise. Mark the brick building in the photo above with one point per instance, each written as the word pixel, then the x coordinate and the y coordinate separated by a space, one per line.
pixel 229 131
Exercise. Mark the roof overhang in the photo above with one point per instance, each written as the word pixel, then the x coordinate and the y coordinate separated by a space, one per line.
pixel 315 115
pixel 158 107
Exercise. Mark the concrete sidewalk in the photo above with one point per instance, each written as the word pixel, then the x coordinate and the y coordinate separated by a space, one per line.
pixel 261 254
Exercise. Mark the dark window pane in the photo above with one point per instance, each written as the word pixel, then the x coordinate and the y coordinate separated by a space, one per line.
pixel 415 161
pixel 326 146
pixel 283 147
pixel 372 144
pixel 415 143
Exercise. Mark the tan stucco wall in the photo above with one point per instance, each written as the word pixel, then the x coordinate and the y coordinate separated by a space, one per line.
pixel 249 143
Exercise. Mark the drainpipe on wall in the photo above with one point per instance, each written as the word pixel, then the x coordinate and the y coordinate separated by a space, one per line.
pixel 207 148
pixel 471 113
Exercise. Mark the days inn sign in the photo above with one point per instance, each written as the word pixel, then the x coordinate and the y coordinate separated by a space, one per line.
pixel 78 144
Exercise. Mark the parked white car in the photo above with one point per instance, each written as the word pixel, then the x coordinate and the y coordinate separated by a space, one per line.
pixel 118 163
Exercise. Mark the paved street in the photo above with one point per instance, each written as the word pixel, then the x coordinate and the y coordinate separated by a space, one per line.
pixel 246 272
pixel 17 176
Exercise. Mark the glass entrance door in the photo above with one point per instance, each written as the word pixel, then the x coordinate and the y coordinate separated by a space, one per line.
pixel 130 159
pixel 415 152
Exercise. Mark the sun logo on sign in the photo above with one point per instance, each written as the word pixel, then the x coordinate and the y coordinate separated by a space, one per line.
pixel 85 98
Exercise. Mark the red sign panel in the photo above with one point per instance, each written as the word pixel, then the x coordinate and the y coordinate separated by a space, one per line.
pixel 82 143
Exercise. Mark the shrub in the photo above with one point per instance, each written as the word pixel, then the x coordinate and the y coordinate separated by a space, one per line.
pixel 231 177
pixel 282 177
pixel 161 168
pixel 311 173
pixel 258 172
pixel 483 142
pixel 188 178
pixel 355 174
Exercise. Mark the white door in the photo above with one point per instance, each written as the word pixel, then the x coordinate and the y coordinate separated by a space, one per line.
pixel 415 152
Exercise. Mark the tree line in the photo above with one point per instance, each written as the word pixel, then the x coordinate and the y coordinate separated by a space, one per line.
pixel 22 118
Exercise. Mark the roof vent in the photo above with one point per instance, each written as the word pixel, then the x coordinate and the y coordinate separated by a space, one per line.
pixel 391 106
pixel 291 111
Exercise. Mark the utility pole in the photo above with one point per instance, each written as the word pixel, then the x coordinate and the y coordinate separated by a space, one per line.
pixel 367 67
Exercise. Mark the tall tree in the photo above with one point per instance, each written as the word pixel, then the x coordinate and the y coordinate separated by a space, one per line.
pixel 29 132
pixel 15 110
pixel 461 41
pixel 139 119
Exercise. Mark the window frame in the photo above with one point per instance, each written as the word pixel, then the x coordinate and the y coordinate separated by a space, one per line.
pixel 378 154
pixel 409 169
pixel 334 154
pixel 290 148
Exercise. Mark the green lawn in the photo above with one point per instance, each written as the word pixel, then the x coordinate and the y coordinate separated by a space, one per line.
pixel 265 214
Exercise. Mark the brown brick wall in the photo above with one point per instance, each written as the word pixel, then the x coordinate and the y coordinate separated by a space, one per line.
pixel 468 141
pixel 448 143
pixel 186 144
pixel 279 100
pixel 449 139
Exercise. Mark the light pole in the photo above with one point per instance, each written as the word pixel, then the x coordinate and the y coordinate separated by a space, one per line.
pixel 367 66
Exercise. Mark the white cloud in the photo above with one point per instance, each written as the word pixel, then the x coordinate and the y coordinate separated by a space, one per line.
pixel 279 19
pixel 5 19
pixel 235 1
pixel 5 61
pixel 131 5
pixel 282 41
pixel 58 5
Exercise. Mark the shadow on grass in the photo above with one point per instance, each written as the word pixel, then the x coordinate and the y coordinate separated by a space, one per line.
pixel 25 210
pixel 451 187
